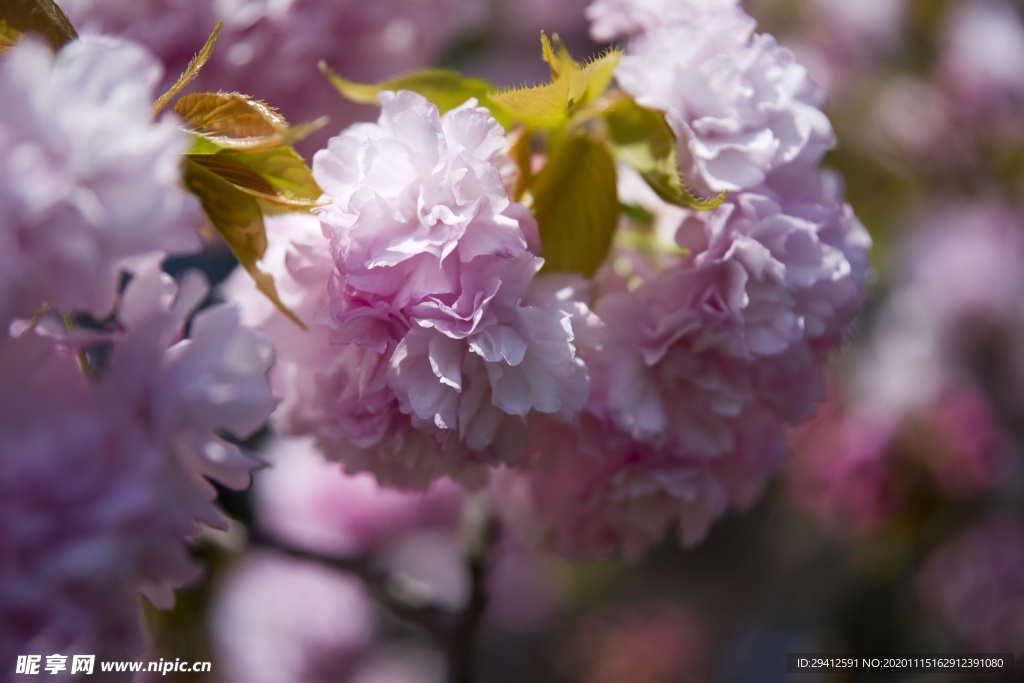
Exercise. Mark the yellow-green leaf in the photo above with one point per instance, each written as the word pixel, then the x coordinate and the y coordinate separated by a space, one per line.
pixel 286 171
pixel 444 88
pixel 596 74
pixel 191 71
pixel 642 138
pixel 539 106
pixel 201 145
pixel 548 54
pixel 278 176
pixel 577 209
pixel 236 121
pixel 573 85
pixel 43 17
pixel 587 80
pixel 237 217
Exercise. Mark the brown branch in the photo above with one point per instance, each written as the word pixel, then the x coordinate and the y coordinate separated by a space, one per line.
pixel 457 631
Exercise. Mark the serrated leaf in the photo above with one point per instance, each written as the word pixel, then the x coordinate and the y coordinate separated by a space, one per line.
pixel 548 54
pixel 587 80
pixel 597 74
pixel 539 106
pixel 278 176
pixel 444 88
pixel 191 71
pixel 573 85
pixel 576 206
pixel 642 138
pixel 44 17
pixel 237 218
pixel 236 121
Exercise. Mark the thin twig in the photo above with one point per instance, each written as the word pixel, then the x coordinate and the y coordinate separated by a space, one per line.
pixel 388 588
pixel 458 631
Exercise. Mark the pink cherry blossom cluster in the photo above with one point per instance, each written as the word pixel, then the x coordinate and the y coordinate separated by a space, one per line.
pixel 109 433
pixel 423 278
pixel 704 359
pixel 632 401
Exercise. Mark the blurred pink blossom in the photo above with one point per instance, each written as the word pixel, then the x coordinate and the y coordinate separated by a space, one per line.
pixel 269 49
pixel 974 583
pixel 89 179
pixel 139 436
pixel 594 493
pixel 187 391
pixel 971 454
pixel 310 503
pixel 844 472
pixel 983 53
pixel 279 619
pixel 656 643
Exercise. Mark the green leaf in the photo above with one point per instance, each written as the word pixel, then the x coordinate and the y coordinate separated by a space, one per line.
pixel 236 121
pixel 238 219
pixel 201 145
pixel 444 88
pixel 191 71
pixel 43 17
pixel 577 209
pixel 642 138
pixel 278 176
pixel 286 171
